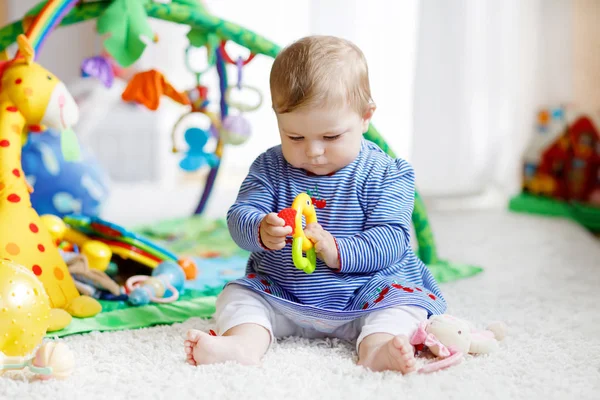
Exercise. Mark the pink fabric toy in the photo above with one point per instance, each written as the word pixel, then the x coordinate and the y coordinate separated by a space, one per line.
pixel 450 338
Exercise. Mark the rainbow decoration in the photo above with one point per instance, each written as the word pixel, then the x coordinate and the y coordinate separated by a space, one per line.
pixel 47 19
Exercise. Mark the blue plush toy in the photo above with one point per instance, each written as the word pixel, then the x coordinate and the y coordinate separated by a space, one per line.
pixel 61 187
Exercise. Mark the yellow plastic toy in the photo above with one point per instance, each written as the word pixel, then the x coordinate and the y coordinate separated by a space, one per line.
pixel 31 95
pixel 302 206
pixel 24 310
pixel 24 318
pixel 98 254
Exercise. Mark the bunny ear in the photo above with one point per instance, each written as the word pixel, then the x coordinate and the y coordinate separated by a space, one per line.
pixel 420 334
pixel 432 341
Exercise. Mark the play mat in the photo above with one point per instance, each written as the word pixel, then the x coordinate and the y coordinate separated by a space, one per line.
pixel 218 259
pixel 67 253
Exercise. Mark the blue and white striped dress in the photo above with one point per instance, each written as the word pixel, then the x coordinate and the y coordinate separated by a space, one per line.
pixel 368 211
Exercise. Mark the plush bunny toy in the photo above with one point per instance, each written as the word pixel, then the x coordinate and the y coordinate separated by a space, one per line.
pixel 451 338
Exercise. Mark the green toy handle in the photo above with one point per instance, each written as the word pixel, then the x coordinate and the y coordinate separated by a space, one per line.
pixel 307 264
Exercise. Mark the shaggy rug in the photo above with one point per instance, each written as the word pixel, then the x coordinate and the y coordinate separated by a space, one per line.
pixel 541 277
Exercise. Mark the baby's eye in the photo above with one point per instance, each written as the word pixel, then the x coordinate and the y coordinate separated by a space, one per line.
pixel 334 137
pixel 296 138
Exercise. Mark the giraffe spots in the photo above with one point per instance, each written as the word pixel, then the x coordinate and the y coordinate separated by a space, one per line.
pixel 12 249
pixel 37 270
pixel 4 143
pixel 34 228
pixel 16 173
pixel 12 109
pixel 2 186
pixel 18 81
pixel 58 273
pixel 13 198
pixel 35 128
pixel 41 248
pixel 16 128
pixel 28 92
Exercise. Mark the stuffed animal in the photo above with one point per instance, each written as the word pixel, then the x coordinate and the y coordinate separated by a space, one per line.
pixel 450 339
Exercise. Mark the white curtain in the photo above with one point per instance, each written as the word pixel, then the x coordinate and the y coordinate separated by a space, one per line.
pixel 482 70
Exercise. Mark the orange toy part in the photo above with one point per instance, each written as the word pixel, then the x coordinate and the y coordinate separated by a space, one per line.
pixel 147 87
pixel 189 268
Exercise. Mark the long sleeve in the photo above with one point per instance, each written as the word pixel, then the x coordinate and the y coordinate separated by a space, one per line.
pixel 255 199
pixel 386 237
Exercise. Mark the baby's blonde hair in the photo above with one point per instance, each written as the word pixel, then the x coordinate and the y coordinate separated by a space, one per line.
pixel 318 71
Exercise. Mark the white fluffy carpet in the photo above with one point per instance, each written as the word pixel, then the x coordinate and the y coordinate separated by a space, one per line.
pixel 542 277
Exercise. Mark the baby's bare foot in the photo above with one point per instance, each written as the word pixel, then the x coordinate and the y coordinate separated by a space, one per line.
pixel 395 355
pixel 201 348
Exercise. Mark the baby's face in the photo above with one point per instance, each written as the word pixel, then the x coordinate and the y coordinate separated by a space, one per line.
pixel 321 140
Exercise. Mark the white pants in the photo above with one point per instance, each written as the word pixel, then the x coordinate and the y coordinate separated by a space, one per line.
pixel 238 305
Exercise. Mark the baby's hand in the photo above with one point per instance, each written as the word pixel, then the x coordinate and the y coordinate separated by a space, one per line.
pixel 324 245
pixel 273 232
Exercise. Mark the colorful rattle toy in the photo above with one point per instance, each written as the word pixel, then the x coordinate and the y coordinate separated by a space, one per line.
pixel 302 206
pixel 51 360
pixel 143 289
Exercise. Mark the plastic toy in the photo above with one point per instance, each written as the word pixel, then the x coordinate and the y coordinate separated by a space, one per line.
pixel 98 67
pixel 24 310
pixel 163 286
pixel 97 253
pixel 302 206
pixel 196 157
pixel 123 242
pixel 51 360
pixel 31 95
pixel 561 171
pixel 450 339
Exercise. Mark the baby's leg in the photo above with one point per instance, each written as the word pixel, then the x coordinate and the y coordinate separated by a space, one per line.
pixel 384 343
pixel 244 320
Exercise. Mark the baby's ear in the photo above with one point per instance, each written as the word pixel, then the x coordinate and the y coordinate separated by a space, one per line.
pixel 368 114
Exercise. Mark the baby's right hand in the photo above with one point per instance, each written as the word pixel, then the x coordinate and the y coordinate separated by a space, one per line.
pixel 273 232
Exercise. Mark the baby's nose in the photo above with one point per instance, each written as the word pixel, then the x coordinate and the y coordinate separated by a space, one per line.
pixel 314 150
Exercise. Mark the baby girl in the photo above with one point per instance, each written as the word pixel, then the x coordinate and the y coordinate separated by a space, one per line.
pixel 368 286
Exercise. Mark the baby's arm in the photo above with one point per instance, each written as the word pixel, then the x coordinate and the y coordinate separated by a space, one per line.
pixel 390 203
pixel 255 200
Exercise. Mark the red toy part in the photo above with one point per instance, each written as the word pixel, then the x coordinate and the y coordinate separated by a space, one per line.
pixel 289 216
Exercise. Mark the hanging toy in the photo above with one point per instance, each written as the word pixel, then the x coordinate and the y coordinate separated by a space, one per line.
pixel 195 158
pixel 148 87
pixel 98 67
pixel 236 129
pixel 163 286
pixel 197 139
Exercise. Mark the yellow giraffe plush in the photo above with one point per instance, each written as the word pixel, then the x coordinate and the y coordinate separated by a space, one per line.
pixel 30 95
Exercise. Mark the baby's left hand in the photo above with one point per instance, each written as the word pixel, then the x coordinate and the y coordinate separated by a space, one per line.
pixel 324 245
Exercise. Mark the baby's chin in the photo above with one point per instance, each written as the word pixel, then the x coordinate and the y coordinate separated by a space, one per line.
pixel 324 169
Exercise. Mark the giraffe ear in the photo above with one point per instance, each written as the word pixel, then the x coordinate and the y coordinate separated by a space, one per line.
pixel 25 48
